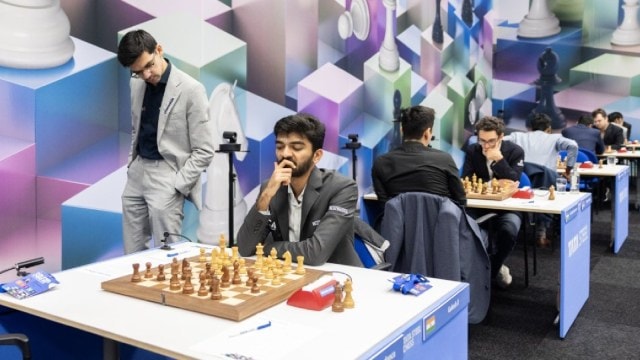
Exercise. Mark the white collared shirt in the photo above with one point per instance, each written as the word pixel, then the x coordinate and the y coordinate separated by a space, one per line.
pixel 295 214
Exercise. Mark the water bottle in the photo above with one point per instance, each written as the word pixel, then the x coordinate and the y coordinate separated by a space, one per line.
pixel 575 180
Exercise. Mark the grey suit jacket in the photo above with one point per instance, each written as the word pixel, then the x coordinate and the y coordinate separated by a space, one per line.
pixel 326 231
pixel 184 135
pixel 432 236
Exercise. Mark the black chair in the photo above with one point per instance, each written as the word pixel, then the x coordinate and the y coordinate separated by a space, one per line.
pixel 19 340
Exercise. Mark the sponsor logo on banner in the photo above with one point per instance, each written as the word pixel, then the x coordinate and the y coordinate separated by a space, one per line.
pixel 570 214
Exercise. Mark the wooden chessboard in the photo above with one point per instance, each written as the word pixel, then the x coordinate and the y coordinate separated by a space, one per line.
pixel 507 189
pixel 237 303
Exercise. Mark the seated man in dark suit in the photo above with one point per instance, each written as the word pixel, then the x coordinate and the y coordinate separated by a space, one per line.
pixel 612 135
pixel 414 166
pixel 616 118
pixel 489 158
pixel 585 135
pixel 301 208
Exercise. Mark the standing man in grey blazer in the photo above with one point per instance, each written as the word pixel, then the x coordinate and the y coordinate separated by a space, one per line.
pixel 171 142
pixel 301 208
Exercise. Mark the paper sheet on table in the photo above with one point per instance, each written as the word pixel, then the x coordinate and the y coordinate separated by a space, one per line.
pixel 262 344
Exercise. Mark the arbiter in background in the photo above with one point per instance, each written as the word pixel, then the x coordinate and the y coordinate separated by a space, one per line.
pixel 301 208
pixel 171 142
pixel 493 158
pixel 414 166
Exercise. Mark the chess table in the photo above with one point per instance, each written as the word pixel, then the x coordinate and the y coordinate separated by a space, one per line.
pixel 383 323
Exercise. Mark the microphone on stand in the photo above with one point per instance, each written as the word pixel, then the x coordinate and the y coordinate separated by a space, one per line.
pixel 166 234
pixel 24 265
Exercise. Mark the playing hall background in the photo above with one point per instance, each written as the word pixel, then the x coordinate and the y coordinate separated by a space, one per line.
pixel 65 131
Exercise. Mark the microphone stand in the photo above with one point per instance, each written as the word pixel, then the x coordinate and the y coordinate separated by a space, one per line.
pixel 166 246
pixel 353 145
pixel 230 148
pixel 24 265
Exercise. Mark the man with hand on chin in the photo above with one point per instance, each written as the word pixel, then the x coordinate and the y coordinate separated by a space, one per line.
pixel 490 158
pixel 301 208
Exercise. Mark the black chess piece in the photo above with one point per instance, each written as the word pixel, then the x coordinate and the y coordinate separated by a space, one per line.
pixel 396 138
pixel 436 32
pixel 548 69
pixel 467 12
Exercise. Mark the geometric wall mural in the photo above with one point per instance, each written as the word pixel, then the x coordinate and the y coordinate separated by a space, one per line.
pixel 64 131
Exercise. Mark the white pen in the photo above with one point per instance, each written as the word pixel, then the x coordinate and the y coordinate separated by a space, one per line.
pixel 259 327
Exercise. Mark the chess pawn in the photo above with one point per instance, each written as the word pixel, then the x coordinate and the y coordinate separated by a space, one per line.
pixel 161 276
pixel 188 286
pixel 348 298
pixel 539 22
pixel 236 274
pixel 222 242
pixel 628 33
pixel 273 253
pixel 300 268
pixel 136 273
pixel 254 285
pixel 215 288
pixel 203 285
pixel 203 257
pixel 552 192
pixel 337 306
pixel 250 276
pixel 148 274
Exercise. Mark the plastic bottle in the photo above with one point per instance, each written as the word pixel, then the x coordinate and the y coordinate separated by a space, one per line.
pixel 575 180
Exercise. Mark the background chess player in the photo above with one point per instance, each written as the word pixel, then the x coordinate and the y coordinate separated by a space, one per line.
pixel 492 157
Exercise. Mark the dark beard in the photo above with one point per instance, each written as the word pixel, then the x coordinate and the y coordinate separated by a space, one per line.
pixel 301 168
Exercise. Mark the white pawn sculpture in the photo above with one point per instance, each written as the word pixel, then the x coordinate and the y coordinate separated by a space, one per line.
pixel 539 22
pixel 628 33
pixel 389 58
pixel 34 34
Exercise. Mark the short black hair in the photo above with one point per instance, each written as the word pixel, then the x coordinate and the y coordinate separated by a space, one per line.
pixel 304 124
pixel 133 44
pixel 416 120
pixel 585 119
pixel 490 123
pixel 540 122
pixel 615 116
pixel 599 111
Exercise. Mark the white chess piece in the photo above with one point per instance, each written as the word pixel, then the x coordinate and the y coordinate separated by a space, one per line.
pixel 628 33
pixel 355 21
pixel 539 22
pixel 389 58
pixel 34 34
pixel 214 216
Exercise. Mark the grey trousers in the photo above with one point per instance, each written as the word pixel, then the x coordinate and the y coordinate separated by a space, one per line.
pixel 151 205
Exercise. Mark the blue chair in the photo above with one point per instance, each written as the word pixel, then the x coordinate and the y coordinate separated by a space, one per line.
pixel 524 181
pixel 19 340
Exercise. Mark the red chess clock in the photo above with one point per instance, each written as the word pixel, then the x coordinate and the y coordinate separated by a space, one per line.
pixel 315 296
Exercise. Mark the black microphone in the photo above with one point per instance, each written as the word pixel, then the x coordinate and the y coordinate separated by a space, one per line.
pixel 23 265
pixel 166 234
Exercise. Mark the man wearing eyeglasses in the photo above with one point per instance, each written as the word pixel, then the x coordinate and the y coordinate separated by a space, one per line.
pixel 490 158
pixel 171 142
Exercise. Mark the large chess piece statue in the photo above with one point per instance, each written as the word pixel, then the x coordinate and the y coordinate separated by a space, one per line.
pixel 548 69
pixel 34 34
pixel 436 32
pixel 467 12
pixel 396 138
pixel 389 57
pixel 214 216
pixel 355 21
pixel 628 33
pixel 539 22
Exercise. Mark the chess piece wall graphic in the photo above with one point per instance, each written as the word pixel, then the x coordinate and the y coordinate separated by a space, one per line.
pixel 539 22
pixel 34 34
pixel 467 12
pixel 223 116
pixel 436 32
pixel 388 56
pixel 548 69
pixel 356 21
pixel 628 33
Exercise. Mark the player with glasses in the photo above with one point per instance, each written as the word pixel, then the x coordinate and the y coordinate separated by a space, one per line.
pixel 492 157
pixel 171 143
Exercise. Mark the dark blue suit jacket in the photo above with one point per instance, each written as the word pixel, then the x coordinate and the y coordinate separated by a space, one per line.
pixel 586 137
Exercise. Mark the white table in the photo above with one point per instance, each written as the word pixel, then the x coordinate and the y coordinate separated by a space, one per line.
pixel 383 324
pixel 575 235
